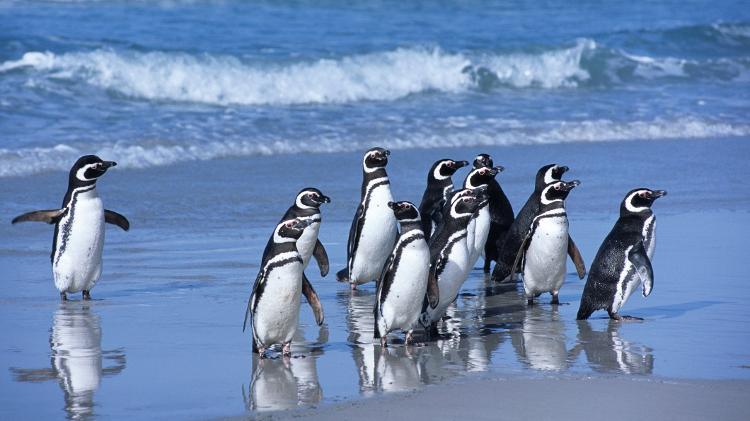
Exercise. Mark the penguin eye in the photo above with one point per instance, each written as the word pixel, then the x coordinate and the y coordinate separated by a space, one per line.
pixel 557 187
pixel 644 194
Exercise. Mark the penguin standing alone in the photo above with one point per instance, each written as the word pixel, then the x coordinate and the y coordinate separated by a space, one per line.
pixel 544 249
pixel 374 228
pixel 404 282
pixel 275 300
pixel 79 228
pixel 307 207
pixel 623 261
pixel 436 195
pixel 500 210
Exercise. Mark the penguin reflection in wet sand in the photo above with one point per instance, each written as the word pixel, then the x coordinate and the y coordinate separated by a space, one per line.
pixel 516 233
pixel 404 281
pixel 623 261
pixel 79 228
pixel 275 300
pixel 500 211
pixel 436 195
pixel 374 229
pixel 307 207
pixel 543 253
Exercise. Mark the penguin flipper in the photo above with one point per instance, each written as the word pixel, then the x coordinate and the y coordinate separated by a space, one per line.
pixel 321 257
pixel 575 255
pixel 433 291
pixel 519 254
pixel 642 264
pixel 312 298
pixel 354 232
pixel 114 218
pixel 257 290
pixel 50 216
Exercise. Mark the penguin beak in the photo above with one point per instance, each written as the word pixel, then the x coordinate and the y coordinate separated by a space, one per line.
pixel 325 199
pixel 460 164
pixel 570 185
pixel 658 193
pixel 387 152
pixel 108 164
pixel 499 169
pixel 393 205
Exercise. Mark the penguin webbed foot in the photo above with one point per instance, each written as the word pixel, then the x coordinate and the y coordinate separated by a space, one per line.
pixel 619 317
pixel 383 342
pixel 286 350
pixel 530 301
pixel 63 296
pixel 555 299
pixel 86 295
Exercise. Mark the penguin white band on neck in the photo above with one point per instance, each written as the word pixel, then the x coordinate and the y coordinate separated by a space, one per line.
pixel 629 202
pixel 277 238
pixel 364 162
pixel 456 214
pixel 544 199
pixel 410 220
pixel 548 175
pixel 81 173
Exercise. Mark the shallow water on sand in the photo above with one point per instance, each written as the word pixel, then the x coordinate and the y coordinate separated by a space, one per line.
pixel 163 338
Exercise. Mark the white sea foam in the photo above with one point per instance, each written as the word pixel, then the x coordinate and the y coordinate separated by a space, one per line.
pixel 468 132
pixel 225 80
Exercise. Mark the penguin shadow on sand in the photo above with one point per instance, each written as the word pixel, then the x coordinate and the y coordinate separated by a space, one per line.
pixel 77 360
pixel 607 352
pixel 540 341
pixel 283 383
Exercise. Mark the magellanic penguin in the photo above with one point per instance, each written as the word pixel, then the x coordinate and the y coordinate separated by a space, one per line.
pixel 512 243
pixel 449 253
pixel 623 261
pixel 500 211
pixel 307 207
pixel 275 300
pixel 374 228
pixel 543 252
pixel 404 282
pixel 481 223
pixel 436 195
pixel 79 228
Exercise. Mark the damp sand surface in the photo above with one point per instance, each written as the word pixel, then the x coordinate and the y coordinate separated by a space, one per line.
pixel 163 336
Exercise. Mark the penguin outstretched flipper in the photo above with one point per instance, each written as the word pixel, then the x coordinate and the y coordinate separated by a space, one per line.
pixel 639 258
pixel 575 256
pixel 312 298
pixel 114 218
pixel 321 257
pixel 50 216
pixel 521 252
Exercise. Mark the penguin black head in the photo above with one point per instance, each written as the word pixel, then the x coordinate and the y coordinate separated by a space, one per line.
pixel 481 176
pixel 558 191
pixel 375 158
pixel 549 174
pixel 290 230
pixel 87 169
pixel 405 211
pixel 445 168
pixel 483 160
pixel 310 198
pixel 640 200
pixel 466 201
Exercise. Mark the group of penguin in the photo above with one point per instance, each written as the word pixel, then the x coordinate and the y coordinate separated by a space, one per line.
pixel 418 256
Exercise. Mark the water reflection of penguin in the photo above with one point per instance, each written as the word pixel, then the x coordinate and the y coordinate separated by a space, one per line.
pixel 76 347
pixel 397 369
pixel 607 352
pixel 283 383
pixel 540 342
pixel 360 321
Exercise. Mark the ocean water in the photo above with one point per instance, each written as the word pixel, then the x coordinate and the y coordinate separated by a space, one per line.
pixel 219 112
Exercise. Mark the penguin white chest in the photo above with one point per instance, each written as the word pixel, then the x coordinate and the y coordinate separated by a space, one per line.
pixel 376 238
pixel 308 239
pixel 452 277
pixel 481 231
pixel 277 312
pixel 544 267
pixel 403 304
pixel 77 262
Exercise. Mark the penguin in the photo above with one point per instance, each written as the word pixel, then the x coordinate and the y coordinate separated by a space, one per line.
pixel 274 303
pixel 439 189
pixel 307 207
pixel 79 228
pixel 500 211
pixel 512 243
pixel 404 281
pixel 480 224
pixel 449 253
pixel 374 228
pixel 543 251
pixel 623 261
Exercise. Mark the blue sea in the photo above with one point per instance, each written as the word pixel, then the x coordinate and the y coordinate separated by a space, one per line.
pixel 219 112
